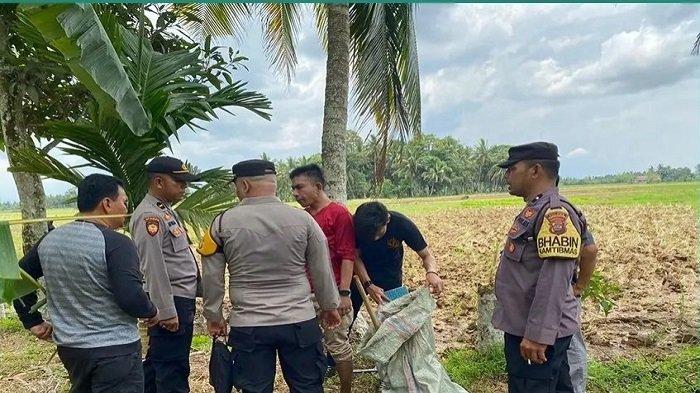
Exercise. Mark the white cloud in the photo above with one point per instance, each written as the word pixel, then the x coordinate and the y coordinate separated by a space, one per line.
pixel 560 43
pixel 455 85
pixel 629 61
pixel 577 152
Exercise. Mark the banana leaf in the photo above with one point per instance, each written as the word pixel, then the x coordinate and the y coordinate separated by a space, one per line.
pixel 76 31
pixel 14 283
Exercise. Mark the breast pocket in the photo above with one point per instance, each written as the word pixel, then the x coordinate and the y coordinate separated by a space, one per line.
pixel 515 243
pixel 179 242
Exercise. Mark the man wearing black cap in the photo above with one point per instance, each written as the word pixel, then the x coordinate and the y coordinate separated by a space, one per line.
pixel 267 247
pixel 171 275
pixel 537 308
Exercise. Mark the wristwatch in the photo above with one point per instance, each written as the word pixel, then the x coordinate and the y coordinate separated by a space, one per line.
pixel 344 292
pixel 367 284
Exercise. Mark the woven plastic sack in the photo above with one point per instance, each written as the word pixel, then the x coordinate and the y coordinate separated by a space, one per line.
pixel 404 347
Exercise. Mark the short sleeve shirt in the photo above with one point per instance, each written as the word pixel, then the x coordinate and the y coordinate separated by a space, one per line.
pixel 383 258
pixel 336 222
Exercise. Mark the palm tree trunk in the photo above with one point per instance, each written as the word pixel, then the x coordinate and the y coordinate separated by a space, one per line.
pixel 29 186
pixel 335 109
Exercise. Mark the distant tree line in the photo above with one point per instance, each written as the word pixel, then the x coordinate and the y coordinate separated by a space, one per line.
pixel 660 174
pixel 424 166
pixel 65 200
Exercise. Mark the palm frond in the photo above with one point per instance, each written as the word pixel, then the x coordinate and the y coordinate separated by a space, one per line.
pixel 214 19
pixel 33 160
pixel 321 15
pixel 385 72
pixel 200 207
pixel 281 23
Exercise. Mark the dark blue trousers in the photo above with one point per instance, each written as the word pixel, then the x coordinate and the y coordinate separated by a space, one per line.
pixel 167 364
pixel 300 351
pixel 549 377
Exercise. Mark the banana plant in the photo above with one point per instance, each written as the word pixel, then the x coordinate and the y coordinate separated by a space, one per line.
pixel 175 89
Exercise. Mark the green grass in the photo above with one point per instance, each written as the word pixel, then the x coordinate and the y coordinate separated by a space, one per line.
pixel 17 229
pixel 668 373
pixel 10 324
pixel 471 369
pixel 606 195
pixel 677 373
pixel 201 342
pixel 20 348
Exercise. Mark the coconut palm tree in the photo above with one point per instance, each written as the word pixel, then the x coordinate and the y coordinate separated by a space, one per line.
pixel 375 43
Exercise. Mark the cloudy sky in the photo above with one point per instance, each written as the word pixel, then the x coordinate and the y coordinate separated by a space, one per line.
pixel 613 85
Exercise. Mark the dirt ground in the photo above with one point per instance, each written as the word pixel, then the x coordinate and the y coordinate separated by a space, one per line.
pixel 648 251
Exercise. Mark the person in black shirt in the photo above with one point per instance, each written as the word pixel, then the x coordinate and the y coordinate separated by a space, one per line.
pixel 380 235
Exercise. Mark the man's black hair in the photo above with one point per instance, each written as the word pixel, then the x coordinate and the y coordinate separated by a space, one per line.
pixel 96 187
pixel 312 171
pixel 369 217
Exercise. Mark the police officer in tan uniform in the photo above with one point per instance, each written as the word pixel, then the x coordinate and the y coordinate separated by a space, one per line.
pixel 267 247
pixel 171 275
pixel 537 308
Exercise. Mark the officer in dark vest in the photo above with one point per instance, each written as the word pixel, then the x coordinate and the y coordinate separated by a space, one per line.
pixel 537 308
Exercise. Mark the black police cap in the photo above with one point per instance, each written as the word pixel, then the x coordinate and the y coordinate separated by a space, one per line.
pixel 531 151
pixel 250 168
pixel 173 167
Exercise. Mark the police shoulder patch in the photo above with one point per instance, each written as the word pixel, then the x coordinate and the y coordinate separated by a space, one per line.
pixel 208 246
pixel 152 225
pixel 558 238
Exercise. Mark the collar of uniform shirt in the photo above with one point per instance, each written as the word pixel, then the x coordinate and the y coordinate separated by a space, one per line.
pixel 552 190
pixel 154 200
pixel 259 200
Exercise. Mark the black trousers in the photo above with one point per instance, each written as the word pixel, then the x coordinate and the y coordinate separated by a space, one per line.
pixel 117 374
pixel 167 364
pixel 549 377
pixel 300 351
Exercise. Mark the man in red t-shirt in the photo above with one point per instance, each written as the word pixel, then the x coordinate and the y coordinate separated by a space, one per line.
pixel 335 220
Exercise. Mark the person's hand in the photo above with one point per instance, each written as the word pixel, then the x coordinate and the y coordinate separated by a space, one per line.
pixel 330 319
pixel 170 324
pixel 578 290
pixel 42 331
pixel 217 328
pixel 345 305
pixel 377 294
pixel 150 322
pixel 533 351
pixel 434 282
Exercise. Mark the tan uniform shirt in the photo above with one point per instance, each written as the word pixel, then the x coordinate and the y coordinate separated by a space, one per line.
pixel 167 262
pixel 267 246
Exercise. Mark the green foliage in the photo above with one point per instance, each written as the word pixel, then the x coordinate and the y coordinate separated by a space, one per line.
pixel 660 174
pixel 425 166
pixel 14 282
pixel 182 86
pixel 649 374
pixel 76 31
pixel 383 56
pixel 602 292
pixel 201 342
pixel 10 324
pixel 470 368
pixel 677 373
